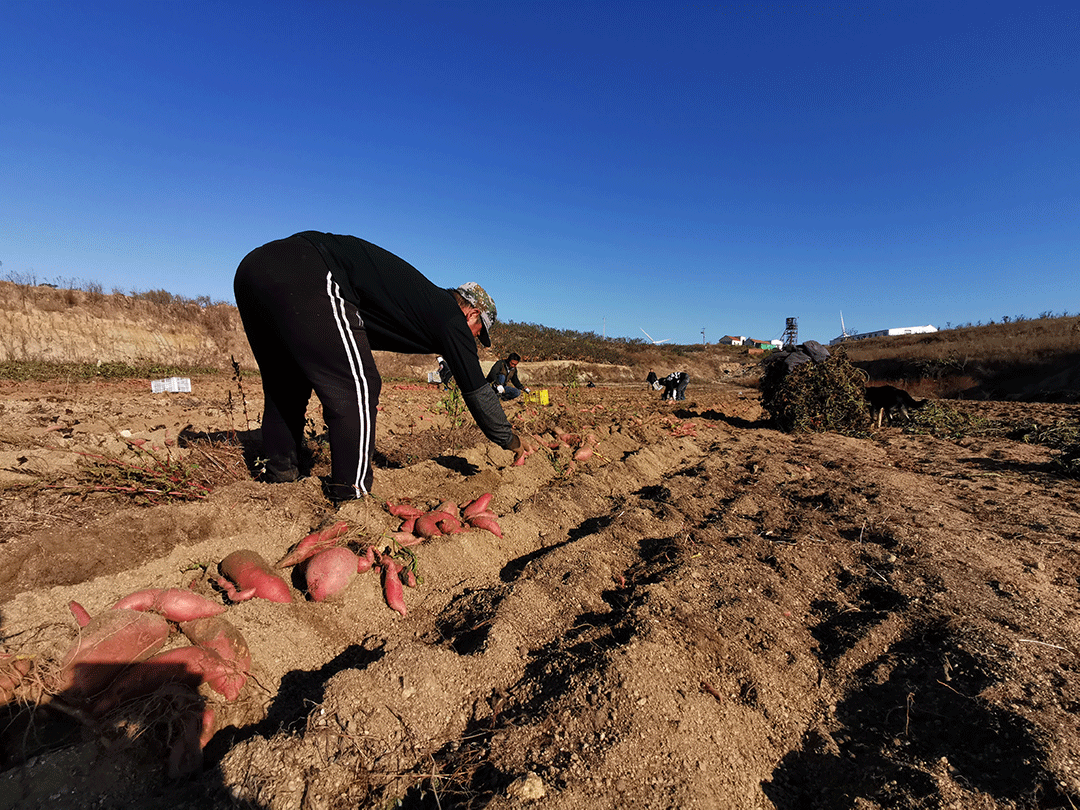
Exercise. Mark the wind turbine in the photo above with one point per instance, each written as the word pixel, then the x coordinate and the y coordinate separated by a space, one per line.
pixel 650 337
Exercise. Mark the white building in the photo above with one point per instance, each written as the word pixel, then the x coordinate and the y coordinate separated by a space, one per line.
pixel 898 330
pixel 732 340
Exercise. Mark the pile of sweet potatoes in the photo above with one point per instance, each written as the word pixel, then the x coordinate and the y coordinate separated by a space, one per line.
pixel 419 525
pixel 118 658
pixel 128 651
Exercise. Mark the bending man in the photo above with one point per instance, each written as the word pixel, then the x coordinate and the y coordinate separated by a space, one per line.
pixel 314 306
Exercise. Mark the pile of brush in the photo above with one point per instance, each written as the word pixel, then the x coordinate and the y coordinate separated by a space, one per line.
pixel 819 396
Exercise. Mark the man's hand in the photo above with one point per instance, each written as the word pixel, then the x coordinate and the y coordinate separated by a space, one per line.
pixel 523 446
pixel 500 389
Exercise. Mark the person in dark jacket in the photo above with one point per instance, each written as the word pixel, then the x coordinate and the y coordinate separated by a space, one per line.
pixel 503 377
pixel 675 385
pixel 314 306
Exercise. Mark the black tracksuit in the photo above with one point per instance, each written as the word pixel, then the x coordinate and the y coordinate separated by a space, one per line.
pixel 314 306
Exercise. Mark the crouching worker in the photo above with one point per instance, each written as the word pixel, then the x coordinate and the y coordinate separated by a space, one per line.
pixel 675 385
pixel 314 306
pixel 503 377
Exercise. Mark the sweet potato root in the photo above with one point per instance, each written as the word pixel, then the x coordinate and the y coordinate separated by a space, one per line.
pixel 175 604
pixel 245 574
pixel 488 524
pixel 220 636
pixel 329 573
pixel 477 506
pixel 449 507
pixel 13 668
pixel 403 510
pixel 82 616
pixel 583 453
pixel 188 666
pixel 391 580
pixel 365 561
pixel 313 544
pixel 427 525
pixel 109 643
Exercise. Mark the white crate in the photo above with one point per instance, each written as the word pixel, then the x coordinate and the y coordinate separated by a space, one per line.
pixel 172 385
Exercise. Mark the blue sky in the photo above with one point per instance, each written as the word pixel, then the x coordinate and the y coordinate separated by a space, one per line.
pixel 598 166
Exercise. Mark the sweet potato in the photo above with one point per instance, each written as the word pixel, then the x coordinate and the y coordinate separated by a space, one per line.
pixel 477 506
pixel 488 524
pixel 195 728
pixel 79 612
pixel 408 525
pixel 245 574
pixel 13 668
pixel 109 643
pixel 220 636
pixel 188 666
pixel 449 507
pixel 403 510
pixel 175 604
pixel 583 453
pixel 391 580
pixel 427 525
pixel 365 561
pixel 329 573
pixel 406 539
pixel 449 524
pixel 313 544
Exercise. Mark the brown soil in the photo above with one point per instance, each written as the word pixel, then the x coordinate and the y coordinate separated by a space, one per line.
pixel 708 613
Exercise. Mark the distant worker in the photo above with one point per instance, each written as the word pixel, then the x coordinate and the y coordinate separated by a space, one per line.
pixel 314 306
pixel 675 385
pixel 653 381
pixel 503 377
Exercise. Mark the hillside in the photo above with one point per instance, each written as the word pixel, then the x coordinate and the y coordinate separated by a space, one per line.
pixel 1034 360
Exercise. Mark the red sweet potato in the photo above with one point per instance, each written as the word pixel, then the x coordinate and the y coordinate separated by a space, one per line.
pixel 391 579
pixel 450 507
pixel 108 644
pixel 79 612
pixel 175 604
pixel 488 524
pixel 403 510
pixel 220 636
pixel 427 525
pixel 365 561
pixel 329 573
pixel 584 453
pixel 188 666
pixel 406 539
pixel 195 728
pixel 313 544
pixel 408 525
pixel 245 574
pixel 477 506
pixel 13 668
pixel 449 525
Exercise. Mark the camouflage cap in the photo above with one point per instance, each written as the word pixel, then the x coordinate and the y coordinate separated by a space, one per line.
pixel 477 297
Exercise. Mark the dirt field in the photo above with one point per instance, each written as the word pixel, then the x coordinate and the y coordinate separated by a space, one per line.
pixel 706 614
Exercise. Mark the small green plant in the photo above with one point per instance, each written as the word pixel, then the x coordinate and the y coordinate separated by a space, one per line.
pixel 453 405
pixel 571 382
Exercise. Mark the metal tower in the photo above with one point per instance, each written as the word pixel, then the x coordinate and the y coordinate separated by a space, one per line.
pixel 791 332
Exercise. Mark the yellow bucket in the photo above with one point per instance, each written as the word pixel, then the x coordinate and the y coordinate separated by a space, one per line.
pixel 540 396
